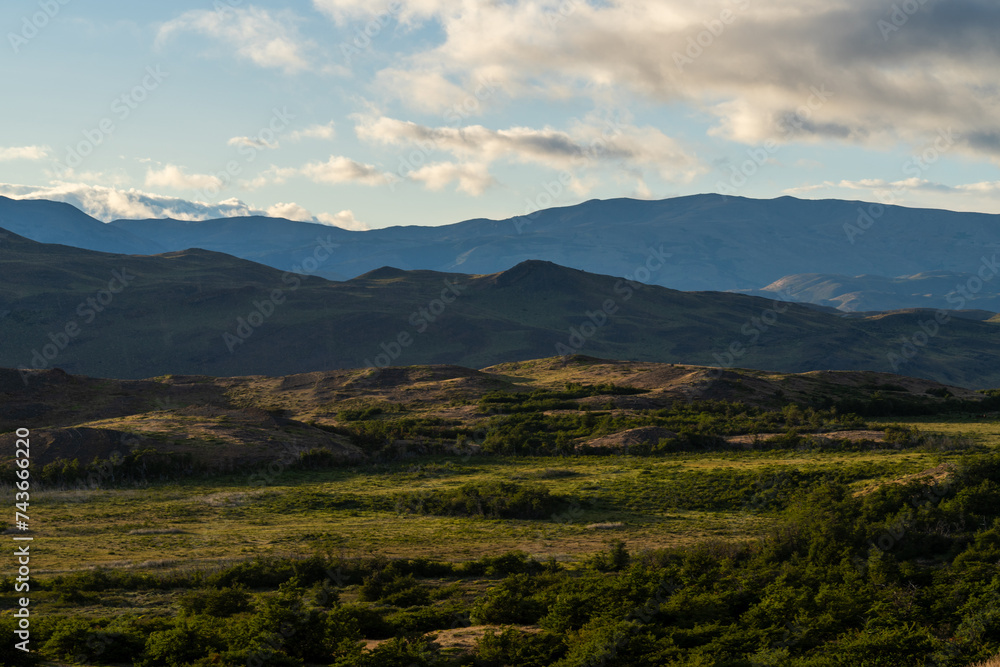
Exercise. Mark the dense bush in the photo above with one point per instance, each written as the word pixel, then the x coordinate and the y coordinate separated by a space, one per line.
pixel 901 574
pixel 389 586
pixel 216 602
pixel 511 646
pixel 495 500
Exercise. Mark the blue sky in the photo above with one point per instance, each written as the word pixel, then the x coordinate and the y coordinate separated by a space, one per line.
pixel 370 114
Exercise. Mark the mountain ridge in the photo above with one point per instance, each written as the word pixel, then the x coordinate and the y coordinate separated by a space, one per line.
pixel 715 243
pixel 200 312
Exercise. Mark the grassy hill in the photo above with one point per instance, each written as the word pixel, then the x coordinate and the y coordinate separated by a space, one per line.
pixel 219 424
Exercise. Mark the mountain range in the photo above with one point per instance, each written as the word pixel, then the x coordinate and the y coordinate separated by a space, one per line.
pixel 202 312
pixel 850 255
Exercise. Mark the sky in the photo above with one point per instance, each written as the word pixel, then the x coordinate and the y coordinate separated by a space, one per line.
pixel 367 114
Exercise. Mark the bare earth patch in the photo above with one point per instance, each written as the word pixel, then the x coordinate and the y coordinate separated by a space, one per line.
pixel 853 436
pixel 462 639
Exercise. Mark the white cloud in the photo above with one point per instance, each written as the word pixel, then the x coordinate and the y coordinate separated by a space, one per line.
pixel 271 176
pixel 755 67
pixel 252 142
pixel 587 145
pixel 982 196
pixel 172 176
pixel 407 11
pixel 432 91
pixel 340 169
pixel 326 131
pixel 293 211
pixel 109 203
pixel 473 179
pixel 267 39
pixel 875 185
pixel 24 153
pixel 289 211
pixel 345 219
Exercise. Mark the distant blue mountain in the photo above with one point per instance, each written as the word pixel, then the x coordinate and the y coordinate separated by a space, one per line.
pixel 699 242
pixel 55 222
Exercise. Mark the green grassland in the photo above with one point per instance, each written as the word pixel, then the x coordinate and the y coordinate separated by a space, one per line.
pixel 568 512
pixel 659 501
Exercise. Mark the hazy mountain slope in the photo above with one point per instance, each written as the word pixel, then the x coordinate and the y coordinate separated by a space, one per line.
pixel 55 222
pixel 276 242
pixel 712 243
pixel 199 312
pixel 931 289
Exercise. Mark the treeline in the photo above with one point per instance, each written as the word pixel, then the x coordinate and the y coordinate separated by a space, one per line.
pixel 503 402
pixel 904 574
pixel 886 403
pixel 137 467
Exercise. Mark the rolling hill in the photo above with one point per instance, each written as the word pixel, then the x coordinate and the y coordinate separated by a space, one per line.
pixel 201 312
pixel 240 421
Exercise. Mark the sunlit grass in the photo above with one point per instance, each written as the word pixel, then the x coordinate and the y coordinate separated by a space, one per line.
pixel 199 522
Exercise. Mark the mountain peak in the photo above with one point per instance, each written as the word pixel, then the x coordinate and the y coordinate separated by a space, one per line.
pixel 534 270
pixel 383 273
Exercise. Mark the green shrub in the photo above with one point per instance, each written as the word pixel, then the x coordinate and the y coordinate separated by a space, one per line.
pixel 495 500
pixel 188 641
pixel 389 586
pixel 220 602
pixel 513 601
pixel 614 560
pixel 397 652
pixel 98 640
pixel 515 647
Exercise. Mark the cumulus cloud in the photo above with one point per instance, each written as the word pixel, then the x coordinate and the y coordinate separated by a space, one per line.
pixel 326 132
pixel 340 169
pixel 110 203
pixel 345 219
pixel 267 39
pixel 884 74
pixel 172 176
pixel 24 153
pixel 292 211
pixel 473 179
pixel 587 145
pixel 252 142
